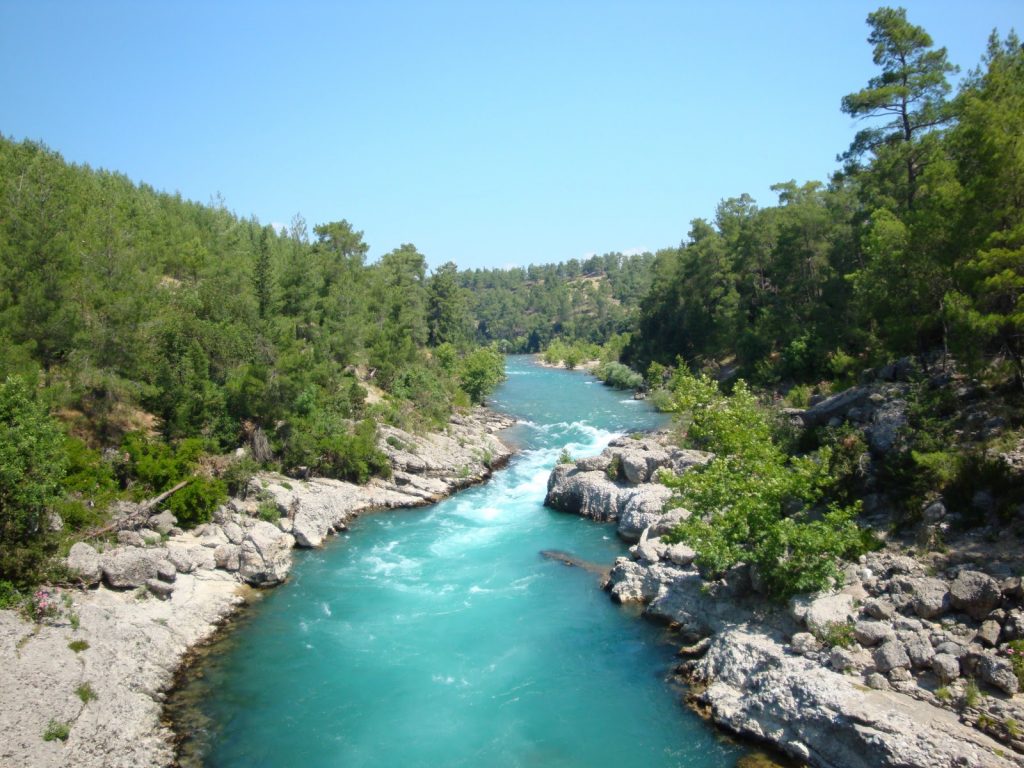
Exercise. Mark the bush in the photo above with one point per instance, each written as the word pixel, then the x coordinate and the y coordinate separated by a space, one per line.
pixel 86 693
pixel 619 376
pixel 326 447
pixel 755 504
pixel 32 466
pixel 480 373
pixel 194 504
pixel 237 474
pixel 56 731
pixel 565 457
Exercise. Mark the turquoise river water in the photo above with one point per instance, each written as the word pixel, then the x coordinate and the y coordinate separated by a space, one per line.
pixel 440 637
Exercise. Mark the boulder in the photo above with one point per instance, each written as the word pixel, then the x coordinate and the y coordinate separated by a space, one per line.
pixel 234 532
pixel 683 460
pixel 594 463
pixel 179 557
pixel 975 593
pixel 638 465
pixel 920 651
pixel 265 555
pixel 680 554
pixel 887 422
pixel 946 667
pixel 84 562
pixel 998 672
pixel 166 571
pixel 989 633
pixel 160 589
pixel 640 508
pixel 834 407
pixel 130 538
pixel 130 567
pixel 821 612
pixel 879 609
pixel 804 642
pixel 891 655
pixel 930 597
pixel 871 633
pixel 669 520
pixel 228 557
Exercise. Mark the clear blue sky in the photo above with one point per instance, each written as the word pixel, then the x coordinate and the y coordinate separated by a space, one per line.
pixel 487 133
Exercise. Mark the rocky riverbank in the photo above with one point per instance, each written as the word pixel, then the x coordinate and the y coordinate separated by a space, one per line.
pixel 94 672
pixel 909 663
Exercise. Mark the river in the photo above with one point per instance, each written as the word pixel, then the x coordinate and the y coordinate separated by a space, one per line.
pixel 440 637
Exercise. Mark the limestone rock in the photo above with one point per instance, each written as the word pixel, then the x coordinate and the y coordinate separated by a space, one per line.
pixel 975 593
pixel 756 689
pixel 891 655
pixel 166 571
pixel 680 554
pixel 234 532
pixel 84 561
pixel 804 642
pixel 920 651
pixel 998 672
pixel 640 508
pixel 871 633
pixel 228 557
pixel 946 668
pixel 989 633
pixel 669 520
pixel 163 522
pixel 930 597
pixel 161 589
pixel 265 555
pixel 129 567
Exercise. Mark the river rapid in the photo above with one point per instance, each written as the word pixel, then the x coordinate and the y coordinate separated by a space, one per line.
pixel 440 637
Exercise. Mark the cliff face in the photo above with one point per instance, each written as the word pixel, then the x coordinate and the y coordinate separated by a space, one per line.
pixel 160 591
pixel 901 666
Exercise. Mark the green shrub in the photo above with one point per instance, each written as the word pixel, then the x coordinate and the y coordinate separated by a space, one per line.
pixel 565 457
pixel 10 597
pixel 328 448
pixel 835 634
pixel 78 645
pixel 754 503
pixel 86 693
pixel 194 504
pixel 619 376
pixel 32 466
pixel 1015 650
pixel 268 511
pixel 237 474
pixel 614 469
pixel 56 731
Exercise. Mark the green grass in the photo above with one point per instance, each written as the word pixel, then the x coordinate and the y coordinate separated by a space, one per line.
pixel 56 731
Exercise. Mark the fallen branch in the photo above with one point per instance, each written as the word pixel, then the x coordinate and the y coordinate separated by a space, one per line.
pixel 144 508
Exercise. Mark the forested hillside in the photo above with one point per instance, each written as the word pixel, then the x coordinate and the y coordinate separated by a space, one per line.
pixel 171 330
pixel 590 300
pixel 915 245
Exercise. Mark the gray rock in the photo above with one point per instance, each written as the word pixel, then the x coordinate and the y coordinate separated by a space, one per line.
pixel 950 648
pixel 213 536
pixel 129 567
pixel 84 562
pixel 804 642
pixel 823 611
pixel 638 465
pixel 877 681
pixel 998 672
pixel 920 651
pixel 234 532
pixel 834 407
pixel 754 688
pixel 265 556
pixel 888 420
pixel 228 557
pixel 946 667
pixel 159 588
pixel 846 659
pixel 680 554
pixel 669 520
pixel 975 593
pixel 871 633
pixel 934 512
pixel 130 539
pixel 166 571
pixel 180 558
pixel 594 463
pixel 989 633
pixel 890 655
pixel 640 508
pixel 930 597
pixel 684 460
pixel 879 609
